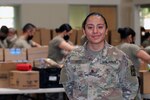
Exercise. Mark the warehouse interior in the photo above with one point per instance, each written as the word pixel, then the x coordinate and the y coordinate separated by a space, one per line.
pixel 47 15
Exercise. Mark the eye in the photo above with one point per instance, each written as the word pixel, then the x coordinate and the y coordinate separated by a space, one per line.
pixel 89 27
pixel 100 26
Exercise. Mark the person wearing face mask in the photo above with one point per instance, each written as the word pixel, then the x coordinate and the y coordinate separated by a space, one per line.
pixel 135 53
pixel 11 38
pixel 25 40
pixel 58 48
pixel 3 34
pixel 60 44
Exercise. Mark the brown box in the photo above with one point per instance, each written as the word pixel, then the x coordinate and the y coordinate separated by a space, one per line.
pixel 113 37
pixel 79 35
pixel 15 54
pixel 1 54
pixel 53 33
pixel 145 82
pixel 73 37
pixel 37 53
pixel 5 67
pixel 45 36
pixel 37 36
pixel 143 66
pixel 24 79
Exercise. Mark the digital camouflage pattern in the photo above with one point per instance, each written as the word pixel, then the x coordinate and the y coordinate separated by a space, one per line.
pixel 104 76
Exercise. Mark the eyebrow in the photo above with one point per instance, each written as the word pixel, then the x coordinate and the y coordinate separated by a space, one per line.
pixel 97 24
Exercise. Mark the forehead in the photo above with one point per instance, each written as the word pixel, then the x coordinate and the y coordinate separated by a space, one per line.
pixel 70 31
pixel 95 19
pixel 33 29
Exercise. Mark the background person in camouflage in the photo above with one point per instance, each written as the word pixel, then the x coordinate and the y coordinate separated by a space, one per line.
pixel 97 70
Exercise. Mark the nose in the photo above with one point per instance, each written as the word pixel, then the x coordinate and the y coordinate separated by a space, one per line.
pixel 95 30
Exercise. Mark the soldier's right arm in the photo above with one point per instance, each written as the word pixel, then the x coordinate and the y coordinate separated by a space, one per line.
pixel 128 79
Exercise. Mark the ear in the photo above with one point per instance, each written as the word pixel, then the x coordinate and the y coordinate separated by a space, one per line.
pixel 64 32
pixel 83 30
pixel 129 38
pixel 106 33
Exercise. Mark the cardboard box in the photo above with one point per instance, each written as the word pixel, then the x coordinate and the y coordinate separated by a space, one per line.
pixel 79 35
pixel 1 54
pixel 5 67
pixel 73 37
pixel 145 82
pixel 24 79
pixel 37 53
pixel 15 54
pixel 143 66
pixel 37 36
pixel 53 33
pixel 45 36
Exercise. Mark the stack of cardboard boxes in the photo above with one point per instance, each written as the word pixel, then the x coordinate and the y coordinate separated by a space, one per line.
pixel 12 78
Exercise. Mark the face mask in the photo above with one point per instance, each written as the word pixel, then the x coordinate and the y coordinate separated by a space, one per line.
pixel 30 37
pixel 66 37
pixel 3 36
pixel 12 38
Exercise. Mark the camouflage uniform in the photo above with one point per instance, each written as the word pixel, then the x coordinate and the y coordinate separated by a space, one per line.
pixel 106 75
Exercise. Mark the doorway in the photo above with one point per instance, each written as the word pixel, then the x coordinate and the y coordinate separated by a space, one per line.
pixel 113 37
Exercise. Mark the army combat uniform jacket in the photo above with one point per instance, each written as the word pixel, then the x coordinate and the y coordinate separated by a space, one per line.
pixel 107 75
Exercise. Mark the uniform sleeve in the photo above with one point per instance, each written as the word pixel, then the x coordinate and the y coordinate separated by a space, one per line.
pixel 134 49
pixel 66 79
pixel 57 40
pixel 128 79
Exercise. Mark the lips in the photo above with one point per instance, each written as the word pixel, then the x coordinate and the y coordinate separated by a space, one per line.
pixel 96 36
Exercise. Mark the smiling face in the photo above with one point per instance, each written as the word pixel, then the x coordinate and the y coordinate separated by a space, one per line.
pixel 95 29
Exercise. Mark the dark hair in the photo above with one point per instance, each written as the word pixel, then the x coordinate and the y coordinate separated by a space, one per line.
pixel 13 30
pixel 3 32
pixel 63 27
pixel 28 26
pixel 4 29
pixel 142 28
pixel 146 36
pixel 125 32
pixel 94 14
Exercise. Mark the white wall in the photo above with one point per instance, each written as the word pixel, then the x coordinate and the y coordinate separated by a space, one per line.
pixel 102 2
pixel 49 4
pixel 50 13
pixel 44 15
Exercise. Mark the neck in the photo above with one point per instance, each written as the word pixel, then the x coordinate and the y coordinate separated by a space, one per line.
pixel 61 34
pixel 95 47
pixel 124 41
pixel 25 35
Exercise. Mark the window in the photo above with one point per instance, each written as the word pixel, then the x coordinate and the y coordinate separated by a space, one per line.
pixel 7 16
pixel 145 17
